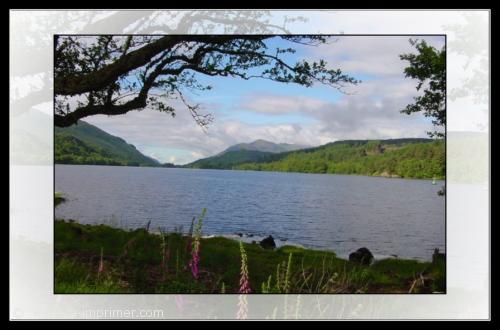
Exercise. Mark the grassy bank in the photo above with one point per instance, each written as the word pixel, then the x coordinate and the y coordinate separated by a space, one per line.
pixel 102 259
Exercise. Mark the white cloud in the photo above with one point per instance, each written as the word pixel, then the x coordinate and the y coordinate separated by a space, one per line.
pixel 372 55
pixel 271 104
pixel 370 110
pixel 380 21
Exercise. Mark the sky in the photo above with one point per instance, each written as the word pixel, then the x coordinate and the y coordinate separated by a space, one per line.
pixel 245 111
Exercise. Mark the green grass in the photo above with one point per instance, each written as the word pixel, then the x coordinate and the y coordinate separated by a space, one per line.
pixel 136 261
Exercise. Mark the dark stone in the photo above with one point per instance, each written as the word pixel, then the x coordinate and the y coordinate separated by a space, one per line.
pixel 239 234
pixel 362 256
pixel 438 256
pixel 268 243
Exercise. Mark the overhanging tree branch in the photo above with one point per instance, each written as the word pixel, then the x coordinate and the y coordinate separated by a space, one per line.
pixel 108 72
pixel 78 84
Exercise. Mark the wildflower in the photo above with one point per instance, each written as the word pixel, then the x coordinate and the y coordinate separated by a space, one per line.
pixel 190 236
pixel 166 257
pixel 163 247
pixel 191 227
pixel 195 248
pixel 165 252
pixel 287 274
pixel 244 278
pixel 177 261
pixel 278 284
pixel 266 287
pixel 195 259
pixel 101 263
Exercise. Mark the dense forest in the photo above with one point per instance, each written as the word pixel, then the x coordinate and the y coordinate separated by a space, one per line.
pixel 406 158
pixel 86 144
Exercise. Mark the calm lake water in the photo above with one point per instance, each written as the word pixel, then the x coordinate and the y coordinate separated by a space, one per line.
pixel 334 212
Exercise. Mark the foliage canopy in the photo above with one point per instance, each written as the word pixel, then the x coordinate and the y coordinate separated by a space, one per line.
pixel 428 67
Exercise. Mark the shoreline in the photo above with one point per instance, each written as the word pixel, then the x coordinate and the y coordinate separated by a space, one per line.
pixel 281 243
pixel 255 239
pixel 264 171
pixel 103 259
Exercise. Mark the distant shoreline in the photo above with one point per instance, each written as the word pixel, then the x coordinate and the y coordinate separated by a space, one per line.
pixel 266 171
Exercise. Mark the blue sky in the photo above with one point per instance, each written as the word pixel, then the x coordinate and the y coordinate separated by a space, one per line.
pixel 245 111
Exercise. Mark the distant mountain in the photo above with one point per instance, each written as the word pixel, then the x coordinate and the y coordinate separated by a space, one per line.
pixel 258 150
pixel 229 159
pixel 87 144
pixel 266 146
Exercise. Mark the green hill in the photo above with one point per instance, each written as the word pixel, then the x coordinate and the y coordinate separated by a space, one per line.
pixel 229 159
pixel 407 158
pixel 86 144
pixel 266 146
pixel 257 151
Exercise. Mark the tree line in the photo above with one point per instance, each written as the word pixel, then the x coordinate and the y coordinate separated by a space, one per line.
pixel 414 160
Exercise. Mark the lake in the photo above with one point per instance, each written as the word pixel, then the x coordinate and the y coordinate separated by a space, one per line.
pixel 341 213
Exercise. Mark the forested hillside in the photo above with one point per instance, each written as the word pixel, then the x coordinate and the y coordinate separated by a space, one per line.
pixel 86 144
pixel 407 158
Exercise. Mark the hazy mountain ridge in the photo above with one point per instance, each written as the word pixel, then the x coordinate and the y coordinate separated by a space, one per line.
pixel 266 146
pixel 228 159
pixel 258 150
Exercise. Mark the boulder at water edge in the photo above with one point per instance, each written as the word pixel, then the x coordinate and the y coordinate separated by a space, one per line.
pixel 361 256
pixel 268 243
